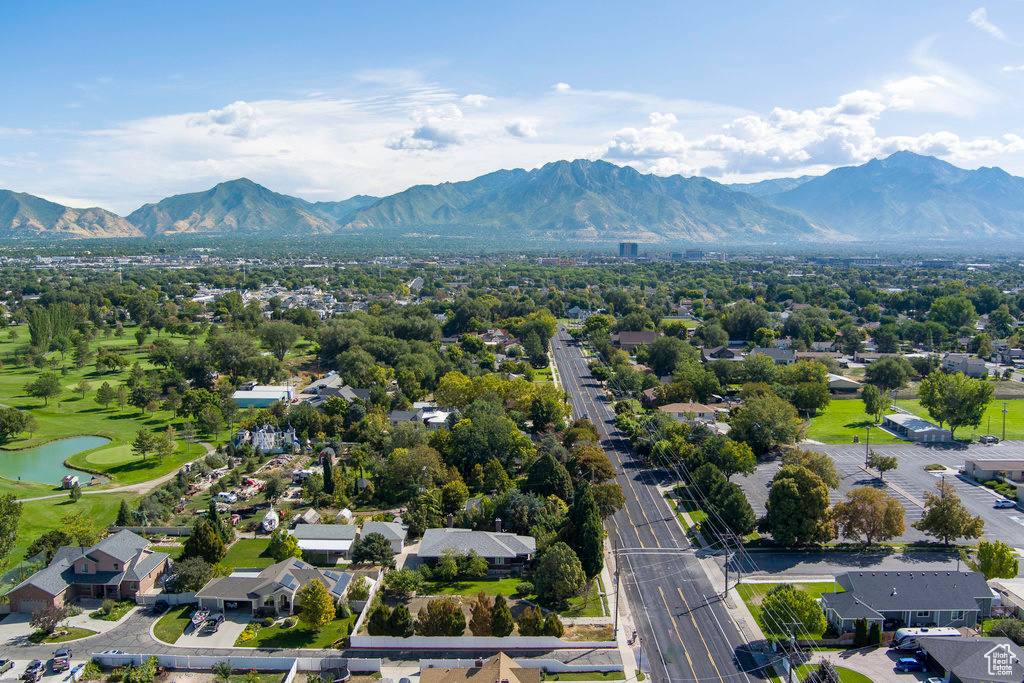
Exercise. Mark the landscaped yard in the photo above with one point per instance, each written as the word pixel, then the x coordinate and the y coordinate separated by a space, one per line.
pixel 171 625
pixel 588 605
pixel 72 633
pixel 993 414
pixel 40 516
pixel 753 594
pixel 844 419
pixel 117 611
pixel 300 635
pixel 845 675
pixel 542 375
pixel 248 552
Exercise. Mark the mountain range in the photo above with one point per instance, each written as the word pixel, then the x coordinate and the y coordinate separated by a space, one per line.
pixel 905 196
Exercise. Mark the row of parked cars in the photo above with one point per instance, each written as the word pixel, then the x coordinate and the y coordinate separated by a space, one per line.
pixel 61 661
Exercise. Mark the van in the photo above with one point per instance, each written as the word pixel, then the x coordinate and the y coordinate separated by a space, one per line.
pixel 906 638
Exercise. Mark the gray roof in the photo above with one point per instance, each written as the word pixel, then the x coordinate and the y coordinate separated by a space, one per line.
pixel 325 532
pixel 486 543
pixel 403 415
pixel 144 564
pixel 968 658
pixel 123 545
pixel 902 591
pixel 389 530
pixel 849 606
pixel 289 574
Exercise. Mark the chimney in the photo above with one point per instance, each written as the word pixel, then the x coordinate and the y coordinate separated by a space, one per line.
pixel 497 524
pixel 451 520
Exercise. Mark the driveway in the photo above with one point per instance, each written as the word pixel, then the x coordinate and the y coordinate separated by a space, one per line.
pixel 14 629
pixel 875 663
pixel 226 635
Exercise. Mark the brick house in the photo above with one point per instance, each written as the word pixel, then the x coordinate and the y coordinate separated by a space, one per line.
pixel 118 567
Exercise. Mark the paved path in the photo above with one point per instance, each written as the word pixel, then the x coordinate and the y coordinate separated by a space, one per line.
pixel 141 487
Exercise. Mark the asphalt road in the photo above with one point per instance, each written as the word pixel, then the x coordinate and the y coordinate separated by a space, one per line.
pixel 686 633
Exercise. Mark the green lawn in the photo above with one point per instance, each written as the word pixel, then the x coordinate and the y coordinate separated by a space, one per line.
pixel 753 594
pixel 844 419
pixel 845 675
pixel 300 636
pixel 171 625
pixel 248 552
pixel 73 633
pixel 120 609
pixel 40 516
pixel 588 605
pixel 543 375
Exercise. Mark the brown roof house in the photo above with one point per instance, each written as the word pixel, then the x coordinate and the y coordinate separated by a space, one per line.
pixel 689 412
pixel 628 340
pixel 500 667
pixel 117 567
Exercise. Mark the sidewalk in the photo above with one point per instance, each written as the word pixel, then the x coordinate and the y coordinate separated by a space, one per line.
pixel 83 620
pixel 625 621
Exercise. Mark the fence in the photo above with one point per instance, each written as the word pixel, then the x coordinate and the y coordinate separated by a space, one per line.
pixel 549 665
pixel 153 530
pixel 374 587
pixel 476 643
pixel 240 663
pixel 171 599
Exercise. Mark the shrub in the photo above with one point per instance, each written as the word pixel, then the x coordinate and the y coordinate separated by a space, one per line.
pixel 358 590
pixel 268 622
pixel 289 622
pixel 875 634
pixel 524 588
pixel 108 606
pixel 934 467
pixel 344 612
pixel 860 633
pixel 1008 628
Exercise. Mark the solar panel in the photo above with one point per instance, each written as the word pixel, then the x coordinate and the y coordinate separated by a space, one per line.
pixel 289 581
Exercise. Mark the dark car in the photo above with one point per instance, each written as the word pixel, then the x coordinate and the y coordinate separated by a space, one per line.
pixel 34 671
pixel 908 664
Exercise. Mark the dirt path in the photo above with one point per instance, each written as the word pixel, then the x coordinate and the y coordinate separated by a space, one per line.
pixel 141 487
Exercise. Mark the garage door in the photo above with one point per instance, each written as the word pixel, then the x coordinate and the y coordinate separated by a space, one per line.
pixel 240 605
pixel 30 605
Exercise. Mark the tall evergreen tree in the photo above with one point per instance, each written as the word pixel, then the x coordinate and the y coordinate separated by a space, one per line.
pixel 328 474
pixel 501 618
pixel 124 515
pixel 588 534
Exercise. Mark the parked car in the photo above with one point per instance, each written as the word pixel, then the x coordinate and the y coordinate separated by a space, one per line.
pixel 1004 503
pixel 112 652
pixel 212 624
pixel 34 671
pixel 988 438
pixel 6 665
pixel 907 664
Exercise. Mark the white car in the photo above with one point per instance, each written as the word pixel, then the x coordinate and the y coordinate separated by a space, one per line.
pixel 1004 503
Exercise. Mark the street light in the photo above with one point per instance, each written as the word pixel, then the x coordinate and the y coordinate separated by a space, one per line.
pixel 867 445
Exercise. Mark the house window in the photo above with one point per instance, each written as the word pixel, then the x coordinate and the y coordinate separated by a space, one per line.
pixel 958 615
pixel 499 560
pixel 115 566
pixel 924 614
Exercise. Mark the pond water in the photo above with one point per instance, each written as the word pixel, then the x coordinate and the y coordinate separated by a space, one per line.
pixel 45 464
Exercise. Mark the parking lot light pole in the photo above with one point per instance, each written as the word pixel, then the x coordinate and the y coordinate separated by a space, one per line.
pixel 867 445
pixel 1004 420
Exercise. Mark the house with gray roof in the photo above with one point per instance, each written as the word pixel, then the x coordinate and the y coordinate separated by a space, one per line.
pixel 974 660
pixel 908 598
pixel 326 543
pixel 271 591
pixel 118 567
pixel 394 532
pixel 503 551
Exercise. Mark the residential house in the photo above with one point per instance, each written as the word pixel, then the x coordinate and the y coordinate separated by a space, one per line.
pixel 914 428
pixel 267 439
pixel 981 469
pixel 327 543
pixel 972 366
pixel 628 340
pixel 393 531
pixel 118 567
pixel 908 598
pixel 498 669
pixel 720 353
pixel 689 412
pixel 1011 356
pixel 503 551
pixel 780 356
pixel 973 660
pixel 272 591
pixel 431 418
pixel 310 516
pixel 262 395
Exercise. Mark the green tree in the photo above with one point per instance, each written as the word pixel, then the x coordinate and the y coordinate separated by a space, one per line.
pixel 77 525
pixel 820 463
pixel 811 397
pixel 797 507
pixel 501 618
pixel 891 372
pixel 955 400
pixel 400 624
pixel 871 513
pixel 49 543
pixel 75 493
pixel 45 386
pixel 12 422
pixel 121 396
pixel 766 422
pixel 283 545
pixel 953 311
pixel 143 443
pixel 665 353
pixel 994 559
pixel 874 404
pixel 588 533
pixel 548 477
pixel 882 463
pixel 559 574
pixel 204 542
pixel 454 495
pixel 10 514
pixel 472 566
pixel 377 624
pixel 535 350
pixel 124 515
pixel 105 395
pixel 279 336
pixel 482 616
pixel 495 477
pixel 447 568
pixel 440 617
pixel 328 475
pixel 553 626
pixel 945 516
pixel 316 605
pixel 403 583
pixel 373 549
pixel 190 574
pixel 784 605
pixel 531 622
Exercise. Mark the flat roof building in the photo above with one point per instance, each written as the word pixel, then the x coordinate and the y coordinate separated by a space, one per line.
pixel 914 428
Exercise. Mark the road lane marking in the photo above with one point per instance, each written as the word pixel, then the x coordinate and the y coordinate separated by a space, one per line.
pixel 699 633
pixel 675 628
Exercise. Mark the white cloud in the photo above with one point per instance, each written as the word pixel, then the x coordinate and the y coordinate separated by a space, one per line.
pixel 979 19
pixel 238 119
pixel 561 87
pixel 476 100
pixel 522 128
pixel 1014 68
pixel 437 128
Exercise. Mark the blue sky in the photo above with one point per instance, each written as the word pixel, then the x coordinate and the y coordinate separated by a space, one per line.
pixel 116 104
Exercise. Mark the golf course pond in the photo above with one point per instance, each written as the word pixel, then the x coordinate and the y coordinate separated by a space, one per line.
pixel 45 464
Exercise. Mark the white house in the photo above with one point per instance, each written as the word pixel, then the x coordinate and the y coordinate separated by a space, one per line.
pixel 688 412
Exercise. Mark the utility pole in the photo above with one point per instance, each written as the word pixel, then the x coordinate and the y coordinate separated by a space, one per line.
pixel 615 627
pixel 867 445
pixel 1004 420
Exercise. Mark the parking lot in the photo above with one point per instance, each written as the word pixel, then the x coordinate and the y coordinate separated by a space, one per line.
pixel 910 480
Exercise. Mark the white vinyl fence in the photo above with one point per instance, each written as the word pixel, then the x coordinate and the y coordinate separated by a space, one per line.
pixel 240 663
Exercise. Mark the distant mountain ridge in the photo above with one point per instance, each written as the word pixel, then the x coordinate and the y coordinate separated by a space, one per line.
pixel 904 196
